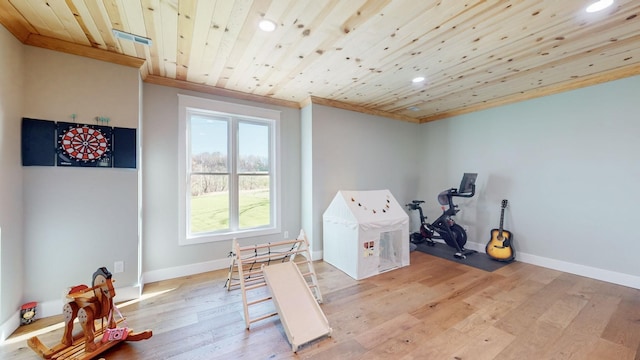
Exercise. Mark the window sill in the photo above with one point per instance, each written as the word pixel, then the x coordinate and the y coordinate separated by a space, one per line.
pixel 208 238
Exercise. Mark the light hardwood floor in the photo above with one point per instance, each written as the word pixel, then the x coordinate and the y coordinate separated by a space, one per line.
pixel 432 309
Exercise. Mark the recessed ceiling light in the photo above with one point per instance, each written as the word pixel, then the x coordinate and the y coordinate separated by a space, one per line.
pixel 599 5
pixel 413 108
pixel 267 25
pixel 418 79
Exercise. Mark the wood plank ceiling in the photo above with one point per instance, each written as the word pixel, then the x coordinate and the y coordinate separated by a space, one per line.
pixel 354 54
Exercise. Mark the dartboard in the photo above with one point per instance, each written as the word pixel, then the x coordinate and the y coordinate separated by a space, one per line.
pixel 83 143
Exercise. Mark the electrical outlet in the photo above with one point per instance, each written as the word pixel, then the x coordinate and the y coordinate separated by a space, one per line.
pixel 286 234
pixel 118 266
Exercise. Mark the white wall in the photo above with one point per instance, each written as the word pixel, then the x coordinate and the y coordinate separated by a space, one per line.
pixel 354 151
pixel 11 218
pixel 162 256
pixel 78 219
pixel 567 163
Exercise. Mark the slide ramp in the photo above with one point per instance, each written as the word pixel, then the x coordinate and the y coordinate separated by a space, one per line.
pixel 299 311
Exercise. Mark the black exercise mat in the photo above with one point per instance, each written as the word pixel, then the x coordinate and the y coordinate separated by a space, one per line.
pixel 477 260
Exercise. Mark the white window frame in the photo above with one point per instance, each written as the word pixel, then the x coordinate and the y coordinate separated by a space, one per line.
pixel 188 104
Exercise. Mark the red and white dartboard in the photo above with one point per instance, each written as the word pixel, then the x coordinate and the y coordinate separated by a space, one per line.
pixel 83 143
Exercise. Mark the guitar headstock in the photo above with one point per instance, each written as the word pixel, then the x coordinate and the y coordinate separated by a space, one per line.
pixel 504 203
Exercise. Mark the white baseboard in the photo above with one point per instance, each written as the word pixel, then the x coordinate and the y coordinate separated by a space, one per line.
pixel 198 268
pixel 587 271
pixel 577 269
pixel 185 270
pixel 54 307
pixel 9 326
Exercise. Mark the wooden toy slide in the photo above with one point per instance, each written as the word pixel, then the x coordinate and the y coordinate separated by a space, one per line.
pixel 300 313
pixel 245 272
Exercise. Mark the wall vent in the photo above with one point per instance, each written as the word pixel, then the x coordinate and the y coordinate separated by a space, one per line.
pixel 131 37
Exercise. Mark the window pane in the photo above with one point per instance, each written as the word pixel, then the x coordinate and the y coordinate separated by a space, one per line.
pixel 209 203
pixel 253 148
pixel 255 203
pixel 209 144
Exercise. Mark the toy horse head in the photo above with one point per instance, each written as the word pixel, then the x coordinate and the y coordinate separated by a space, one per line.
pixel 103 273
pixel 102 276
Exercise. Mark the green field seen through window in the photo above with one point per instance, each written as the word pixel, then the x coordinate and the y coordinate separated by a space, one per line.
pixel 210 212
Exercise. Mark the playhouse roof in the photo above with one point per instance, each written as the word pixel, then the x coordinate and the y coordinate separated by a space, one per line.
pixel 364 207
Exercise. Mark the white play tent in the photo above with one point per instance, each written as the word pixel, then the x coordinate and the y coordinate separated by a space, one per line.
pixel 365 233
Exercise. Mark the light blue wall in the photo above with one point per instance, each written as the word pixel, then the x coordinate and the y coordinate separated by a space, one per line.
pixel 569 165
pixel 11 214
pixel 355 151
pixel 78 219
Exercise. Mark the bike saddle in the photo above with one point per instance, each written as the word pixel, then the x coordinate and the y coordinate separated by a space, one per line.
pixel 443 197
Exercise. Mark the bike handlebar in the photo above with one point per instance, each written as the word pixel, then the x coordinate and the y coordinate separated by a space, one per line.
pixel 454 192
pixel 444 198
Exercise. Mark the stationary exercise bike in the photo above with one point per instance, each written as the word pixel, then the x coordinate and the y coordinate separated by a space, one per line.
pixel 444 227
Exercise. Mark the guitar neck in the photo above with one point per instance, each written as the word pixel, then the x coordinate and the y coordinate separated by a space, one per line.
pixel 504 206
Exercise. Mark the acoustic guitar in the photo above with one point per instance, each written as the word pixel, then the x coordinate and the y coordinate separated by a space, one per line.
pixel 500 247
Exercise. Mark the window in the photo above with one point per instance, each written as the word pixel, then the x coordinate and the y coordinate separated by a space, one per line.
pixel 228 171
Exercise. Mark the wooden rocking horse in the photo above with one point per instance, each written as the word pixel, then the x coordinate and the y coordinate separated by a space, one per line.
pixel 87 304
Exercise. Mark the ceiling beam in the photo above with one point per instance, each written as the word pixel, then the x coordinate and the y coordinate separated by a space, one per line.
pixel 81 50
pixel 14 21
pixel 181 84
pixel 357 108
